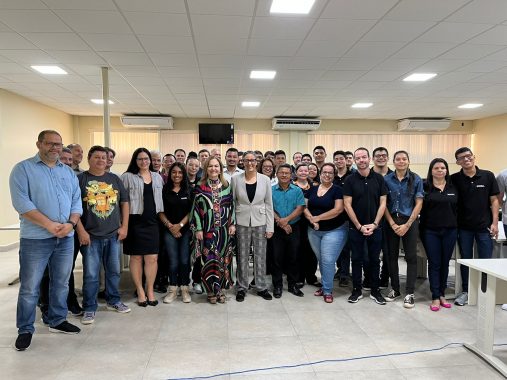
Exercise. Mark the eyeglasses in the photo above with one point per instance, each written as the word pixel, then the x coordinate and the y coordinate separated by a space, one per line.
pixel 250 161
pixel 143 159
pixel 465 157
pixel 381 155
pixel 53 145
pixel 327 173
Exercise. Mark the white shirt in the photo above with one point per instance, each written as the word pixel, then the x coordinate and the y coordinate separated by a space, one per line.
pixel 228 175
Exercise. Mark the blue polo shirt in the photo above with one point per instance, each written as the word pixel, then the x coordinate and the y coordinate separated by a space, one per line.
pixel 54 191
pixel 286 201
pixel 401 198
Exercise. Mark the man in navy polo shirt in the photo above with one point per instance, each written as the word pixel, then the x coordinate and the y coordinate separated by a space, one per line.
pixel 364 198
pixel 477 212
pixel 288 205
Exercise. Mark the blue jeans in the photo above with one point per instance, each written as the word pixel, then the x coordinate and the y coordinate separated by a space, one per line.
pixel 439 245
pixel 178 252
pixel 327 246
pixel 34 256
pixel 106 252
pixel 466 248
pixel 373 246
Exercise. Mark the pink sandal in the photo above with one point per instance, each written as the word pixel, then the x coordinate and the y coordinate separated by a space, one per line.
pixel 445 304
pixel 434 308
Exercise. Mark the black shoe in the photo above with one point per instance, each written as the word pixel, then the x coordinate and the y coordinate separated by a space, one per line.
pixel 377 297
pixel 75 310
pixel 240 296
pixel 277 292
pixel 66 328
pixel 296 291
pixel 152 303
pixel 143 303
pixel 343 283
pixel 356 295
pixel 23 341
pixel 299 285
pixel 265 294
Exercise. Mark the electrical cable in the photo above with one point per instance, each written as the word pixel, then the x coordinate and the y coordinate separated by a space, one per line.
pixel 325 361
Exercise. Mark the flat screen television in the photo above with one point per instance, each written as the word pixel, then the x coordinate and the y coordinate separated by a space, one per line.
pixel 216 133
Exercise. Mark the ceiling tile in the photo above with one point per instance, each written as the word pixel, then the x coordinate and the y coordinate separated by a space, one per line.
pixel 126 59
pixel 28 56
pixel 427 10
pixel 22 4
pixel 81 57
pixel 366 50
pixel 423 50
pixel 170 24
pixel 230 45
pixel 494 36
pixel 221 26
pixel 358 9
pixel 453 32
pixel 155 6
pixel 481 11
pixel 168 59
pixel 14 41
pixel 470 51
pixel 103 5
pixel 324 48
pixel 94 21
pixel 312 63
pixel 33 21
pixel 57 41
pixel 344 30
pixel 223 7
pixel 271 47
pixel 220 72
pixel 113 42
pixel 166 44
pixel 281 27
pixel 179 72
pixel 397 31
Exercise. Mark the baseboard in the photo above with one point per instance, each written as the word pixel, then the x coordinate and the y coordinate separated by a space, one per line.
pixel 9 247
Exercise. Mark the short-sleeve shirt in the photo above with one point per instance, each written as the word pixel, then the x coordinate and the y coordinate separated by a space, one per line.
pixel 474 205
pixel 501 179
pixel 102 197
pixel 440 207
pixel 286 201
pixel 319 205
pixel 365 193
pixel 177 205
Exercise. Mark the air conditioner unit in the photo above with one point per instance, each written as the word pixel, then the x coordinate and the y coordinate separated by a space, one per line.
pixel 295 124
pixel 147 121
pixel 423 124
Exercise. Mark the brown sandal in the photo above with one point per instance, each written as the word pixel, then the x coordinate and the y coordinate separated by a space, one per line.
pixel 212 299
pixel 221 297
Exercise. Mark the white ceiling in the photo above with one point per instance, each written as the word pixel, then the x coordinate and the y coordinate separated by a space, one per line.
pixel 192 58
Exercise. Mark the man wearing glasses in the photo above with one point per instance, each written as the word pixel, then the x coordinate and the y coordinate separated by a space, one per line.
pixel 46 194
pixel 477 212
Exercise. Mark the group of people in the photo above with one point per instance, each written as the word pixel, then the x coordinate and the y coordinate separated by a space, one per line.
pixel 183 218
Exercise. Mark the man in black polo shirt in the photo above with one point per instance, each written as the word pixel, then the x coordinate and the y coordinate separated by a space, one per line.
pixel 477 212
pixel 364 197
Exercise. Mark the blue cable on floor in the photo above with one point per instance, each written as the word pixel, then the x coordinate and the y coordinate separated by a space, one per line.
pixel 325 361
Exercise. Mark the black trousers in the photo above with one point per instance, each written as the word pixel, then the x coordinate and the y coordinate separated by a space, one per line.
pixel 285 248
pixel 307 261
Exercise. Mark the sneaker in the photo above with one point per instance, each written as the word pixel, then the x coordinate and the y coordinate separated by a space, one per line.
pixel 408 302
pixel 23 341
pixel 461 299
pixel 356 295
pixel 75 310
pixel 240 296
pixel 343 283
pixel 378 298
pixel 393 295
pixel 504 306
pixel 66 328
pixel 88 318
pixel 120 307
pixel 197 288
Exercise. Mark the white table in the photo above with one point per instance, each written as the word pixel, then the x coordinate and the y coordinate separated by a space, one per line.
pixel 493 270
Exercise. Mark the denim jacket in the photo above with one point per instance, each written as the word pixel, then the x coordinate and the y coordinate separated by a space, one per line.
pixel 400 198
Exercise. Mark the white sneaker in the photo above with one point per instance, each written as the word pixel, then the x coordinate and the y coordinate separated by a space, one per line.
pixel 197 288
pixel 461 299
pixel 408 302
pixel 504 306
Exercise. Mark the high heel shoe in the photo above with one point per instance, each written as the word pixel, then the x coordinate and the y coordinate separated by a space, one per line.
pixel 152 303
pixel 143 303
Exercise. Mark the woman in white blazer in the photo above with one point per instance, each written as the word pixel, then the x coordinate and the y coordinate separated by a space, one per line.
pixel 254 224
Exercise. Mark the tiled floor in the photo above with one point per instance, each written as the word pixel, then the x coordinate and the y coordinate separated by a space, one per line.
pixel 198 339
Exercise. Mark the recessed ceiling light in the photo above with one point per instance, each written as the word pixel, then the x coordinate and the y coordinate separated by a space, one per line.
pixel 100 101
pixel 291 6
pixel 250 104
pixel 361 105
pixel 262 74
pixel 471 105
pixel 53 70
pixel 419 77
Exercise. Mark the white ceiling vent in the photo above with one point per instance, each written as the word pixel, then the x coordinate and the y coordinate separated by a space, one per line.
pixel 423 124
pixel 295 124
pixel 147 121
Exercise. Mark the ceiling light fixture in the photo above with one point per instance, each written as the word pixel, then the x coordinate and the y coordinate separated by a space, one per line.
pixel 250 104
pixel 291 6
pixel 470 105
pixel 419 77
pixel 51 70
pixel 100 101
pixel 262 74
pixel 361 105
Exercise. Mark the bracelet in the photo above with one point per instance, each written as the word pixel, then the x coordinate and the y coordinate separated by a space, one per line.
pixel 73 223
pixel 375 224
pixel 359 229
pixel 392 225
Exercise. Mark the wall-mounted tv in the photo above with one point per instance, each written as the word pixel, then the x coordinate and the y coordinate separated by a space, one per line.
pixel 216 133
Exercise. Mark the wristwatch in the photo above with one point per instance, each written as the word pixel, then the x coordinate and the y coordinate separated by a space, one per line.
pixel 181 225
pixel 73 224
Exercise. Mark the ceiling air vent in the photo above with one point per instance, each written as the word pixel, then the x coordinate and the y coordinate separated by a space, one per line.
pixel 423 124
pixel 295 124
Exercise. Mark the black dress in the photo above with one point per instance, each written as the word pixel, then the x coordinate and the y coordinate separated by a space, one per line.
pixel 143 233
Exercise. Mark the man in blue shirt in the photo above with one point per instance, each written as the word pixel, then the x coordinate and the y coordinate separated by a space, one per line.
pixel 288 205
pixel 45 193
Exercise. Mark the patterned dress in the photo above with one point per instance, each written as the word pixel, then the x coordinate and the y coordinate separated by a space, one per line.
pixel 213 213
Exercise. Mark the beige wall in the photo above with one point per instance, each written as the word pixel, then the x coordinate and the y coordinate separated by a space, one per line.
pixel 21 120
pixel 490 143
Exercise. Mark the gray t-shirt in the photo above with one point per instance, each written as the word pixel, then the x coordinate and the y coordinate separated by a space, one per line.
pixel 101 196
pixel 502 185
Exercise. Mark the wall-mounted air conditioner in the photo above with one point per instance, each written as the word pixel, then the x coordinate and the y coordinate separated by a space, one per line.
pixel 295 124
pixel 147 121
pixel 423 124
